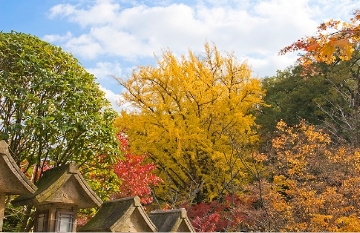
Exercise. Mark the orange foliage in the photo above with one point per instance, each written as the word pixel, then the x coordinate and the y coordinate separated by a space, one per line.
pixel 314 187
pixel 333 40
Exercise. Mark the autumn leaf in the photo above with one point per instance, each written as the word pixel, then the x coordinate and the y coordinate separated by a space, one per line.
pixel 333 40
pixel 135 174
pixel 315 186
pixel 184 111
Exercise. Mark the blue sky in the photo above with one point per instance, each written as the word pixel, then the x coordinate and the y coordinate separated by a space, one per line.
pixel 111 37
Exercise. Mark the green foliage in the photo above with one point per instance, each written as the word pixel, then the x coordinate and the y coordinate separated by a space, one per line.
pixel 293 97
pixel 330 98
pixel 13 215
pixel 51 109
pixel 342 116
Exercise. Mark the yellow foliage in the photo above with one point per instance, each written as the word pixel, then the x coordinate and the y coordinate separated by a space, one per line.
pixel 194 115
pixel 348 224
pixel 319 220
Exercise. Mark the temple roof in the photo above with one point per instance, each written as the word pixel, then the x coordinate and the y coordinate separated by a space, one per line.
pixel 12 180
pixel 63 184
pixel 122 215
pixel 171 220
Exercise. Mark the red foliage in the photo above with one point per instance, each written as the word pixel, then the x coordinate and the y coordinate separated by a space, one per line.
pixel 207 223
pixel 82 219
pixel 34 173
pixel 136 177
pixel 222 215
pixel 205 217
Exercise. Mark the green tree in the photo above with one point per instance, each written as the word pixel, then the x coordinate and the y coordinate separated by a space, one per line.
pixel 329 98
pixel 184 113
pixel 292 97
pixel 336 43
pixel 343 114
pixel 51 110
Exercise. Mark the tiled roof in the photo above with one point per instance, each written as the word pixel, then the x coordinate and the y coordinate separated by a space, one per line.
pixel 171 220
pixel 117 216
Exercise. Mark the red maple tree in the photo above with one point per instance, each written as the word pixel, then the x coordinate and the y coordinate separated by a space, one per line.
pixel 135 175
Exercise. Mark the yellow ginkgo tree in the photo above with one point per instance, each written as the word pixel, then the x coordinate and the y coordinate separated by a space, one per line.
pixel 183 113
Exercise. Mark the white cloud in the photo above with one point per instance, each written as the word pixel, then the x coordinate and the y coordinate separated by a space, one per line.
pixel 173 26
pixel 268 66
pixel 117 101
pixel 113 98
pixel 62 10
pixel 102 12
pixel 141 31
pixel 120 43
pixel 105 70
pixel 334 9
pixel 58 38
pixel 254 29
pixel 84 46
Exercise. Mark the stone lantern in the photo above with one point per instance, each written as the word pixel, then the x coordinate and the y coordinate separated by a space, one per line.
pixel 12 180
pixel 61 191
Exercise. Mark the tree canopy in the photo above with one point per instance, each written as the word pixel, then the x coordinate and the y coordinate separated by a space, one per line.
pixel 194 116
pixel 51 110
pixel 292 97
pixel 329 97
pixel 314 185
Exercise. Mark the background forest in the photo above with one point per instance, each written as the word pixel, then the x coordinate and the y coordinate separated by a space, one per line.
pixel 239 153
